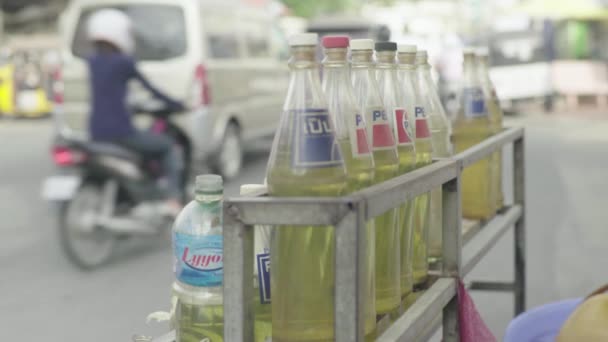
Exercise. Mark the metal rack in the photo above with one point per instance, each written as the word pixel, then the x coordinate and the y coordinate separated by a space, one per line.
pixel 348 215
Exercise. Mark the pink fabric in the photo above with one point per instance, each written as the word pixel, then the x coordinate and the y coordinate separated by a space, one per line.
pixel 472 327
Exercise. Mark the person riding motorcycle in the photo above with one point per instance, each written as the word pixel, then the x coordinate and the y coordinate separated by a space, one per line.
pixel 111 67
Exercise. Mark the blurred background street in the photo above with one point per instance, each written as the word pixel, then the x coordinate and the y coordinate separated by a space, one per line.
pixel 549 64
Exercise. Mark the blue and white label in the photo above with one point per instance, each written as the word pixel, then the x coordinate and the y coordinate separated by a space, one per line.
pixel 199 260
pixel 263 263
pixel 473 103
pixel 314 143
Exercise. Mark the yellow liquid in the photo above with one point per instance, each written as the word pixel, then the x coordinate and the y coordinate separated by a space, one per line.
pixel 407 163
pixel 196 323
pixel 387 244
pixel 496 122
pixel 262 324
pixel 441 149
pixel 424 156
pixel 302 258
pixel 478 201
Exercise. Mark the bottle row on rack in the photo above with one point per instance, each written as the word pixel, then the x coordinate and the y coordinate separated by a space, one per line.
pixel 375 115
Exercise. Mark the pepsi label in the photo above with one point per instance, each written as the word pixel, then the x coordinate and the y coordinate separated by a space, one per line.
pixel 380 130
pixel 402 129
pixel 314 142
pixel 359 142
pixel 422 125
pixel 263 263
pixel 473 103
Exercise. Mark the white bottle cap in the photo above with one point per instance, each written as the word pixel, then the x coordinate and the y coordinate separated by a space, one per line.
pixel 362 44
pixel 406 48
pixel 482 51
pixel 304 39
pixel 253 189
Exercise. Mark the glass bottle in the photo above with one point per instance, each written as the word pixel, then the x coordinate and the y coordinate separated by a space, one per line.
pixel 441 131
pixel 305 160
pixel 386 160
pixel 424 156
pixel 400 284
pixel 471 126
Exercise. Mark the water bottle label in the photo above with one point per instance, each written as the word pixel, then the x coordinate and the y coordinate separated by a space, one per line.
pixel 422 125
pixel 315 143
pixel 474 105
pixel 263 262
pixel 381 134
pixel 199 259
pixel 402 129
pixel 360 144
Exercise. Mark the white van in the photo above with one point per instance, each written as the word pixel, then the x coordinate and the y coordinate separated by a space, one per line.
pixel 223 57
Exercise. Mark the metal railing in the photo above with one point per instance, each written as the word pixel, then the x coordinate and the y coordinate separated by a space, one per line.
pixel 348 215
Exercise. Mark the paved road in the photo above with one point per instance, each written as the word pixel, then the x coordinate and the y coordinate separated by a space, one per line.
pixel 42 297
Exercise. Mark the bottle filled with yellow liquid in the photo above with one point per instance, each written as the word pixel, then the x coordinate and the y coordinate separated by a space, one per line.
pixel 262 323
pixel 386 160
pixel 471 126
pixel 397 281
pixel 441 131
pixel 424 157
pixel 496 116
pixel 305 160
pixel 351 131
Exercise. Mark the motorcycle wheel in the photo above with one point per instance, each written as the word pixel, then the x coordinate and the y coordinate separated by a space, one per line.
pixel 86 245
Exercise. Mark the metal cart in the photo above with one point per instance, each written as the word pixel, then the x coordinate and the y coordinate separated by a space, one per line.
pixel 349 214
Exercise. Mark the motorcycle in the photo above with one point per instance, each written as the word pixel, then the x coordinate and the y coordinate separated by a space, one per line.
pixel 106 193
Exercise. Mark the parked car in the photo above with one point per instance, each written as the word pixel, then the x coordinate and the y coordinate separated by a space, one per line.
pixel 221 57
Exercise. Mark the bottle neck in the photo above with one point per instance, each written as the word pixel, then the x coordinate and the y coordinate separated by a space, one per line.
pixel 335 64
pixel 335 58
pixel 208 197
pixel 469 71
pixel 303 57
pixel 386 59
pixel 407 60
pixel 362 59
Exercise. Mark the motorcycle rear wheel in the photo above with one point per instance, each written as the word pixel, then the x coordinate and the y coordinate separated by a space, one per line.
pixel 87 245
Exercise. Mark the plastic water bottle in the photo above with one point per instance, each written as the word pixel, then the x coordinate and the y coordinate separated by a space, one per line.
pixel 471 126
pixel 496 115
pixel 305 160
pixel 396 278
pixel 441 131
pixel 262 323
pixel 424 156
pixel 198 264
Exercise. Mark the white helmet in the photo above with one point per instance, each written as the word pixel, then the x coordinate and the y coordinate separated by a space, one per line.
pixel 112 26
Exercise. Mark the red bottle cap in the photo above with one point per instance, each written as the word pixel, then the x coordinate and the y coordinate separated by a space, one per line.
pixel 330 42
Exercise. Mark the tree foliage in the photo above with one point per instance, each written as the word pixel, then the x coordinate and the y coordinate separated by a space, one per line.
pixel 311 8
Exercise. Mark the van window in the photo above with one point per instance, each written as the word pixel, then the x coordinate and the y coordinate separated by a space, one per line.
pixel 223 45
pixel 160 31
pixel 258 47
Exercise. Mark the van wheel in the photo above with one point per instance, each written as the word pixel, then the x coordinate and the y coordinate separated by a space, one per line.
pixel 230 157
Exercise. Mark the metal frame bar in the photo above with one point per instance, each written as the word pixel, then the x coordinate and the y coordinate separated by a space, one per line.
pixel 349 215
pixel 519 184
